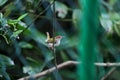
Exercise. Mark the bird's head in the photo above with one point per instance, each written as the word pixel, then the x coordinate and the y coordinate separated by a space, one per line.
pixel 58 37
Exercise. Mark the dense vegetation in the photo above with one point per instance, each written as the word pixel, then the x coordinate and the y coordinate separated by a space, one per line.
pixel 23 27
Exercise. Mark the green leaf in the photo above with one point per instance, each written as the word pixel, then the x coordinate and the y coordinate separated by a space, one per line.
pixel 37 36
pixel 3 22
pixel 112 2
pixel 33 61
pixel 64 56
pixel 4 74
pixel 21 25
pixel 50 1
pixel 9 9
pixel 33 33
pixel 114 16
pixel 22 16
pixel 61 8
pixel 1 15
pixel 31 70
pixel 33 67
pixel 25 45
pixel 2 2
pixel 12 21
pixel 117 28
pixel 6 60
pixel 106 23
pixel 76 17
pixel 16 33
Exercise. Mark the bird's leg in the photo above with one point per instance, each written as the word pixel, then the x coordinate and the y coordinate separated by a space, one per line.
pixel 52 48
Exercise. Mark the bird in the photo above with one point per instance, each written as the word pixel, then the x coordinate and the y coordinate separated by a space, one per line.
pixel 56 40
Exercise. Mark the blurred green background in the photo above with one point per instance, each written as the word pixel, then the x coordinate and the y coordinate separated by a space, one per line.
pixel 26 53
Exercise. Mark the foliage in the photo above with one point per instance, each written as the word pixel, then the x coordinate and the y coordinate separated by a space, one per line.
pixel 23 27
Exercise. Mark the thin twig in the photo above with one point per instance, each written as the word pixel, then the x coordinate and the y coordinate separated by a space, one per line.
pixel 68 63
pixel 53 33
pixel 109 73
pixel 37 17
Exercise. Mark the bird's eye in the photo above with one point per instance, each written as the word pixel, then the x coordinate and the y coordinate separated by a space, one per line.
pixel 55 42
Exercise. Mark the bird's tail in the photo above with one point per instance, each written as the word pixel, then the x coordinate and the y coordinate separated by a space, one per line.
pixel 48 36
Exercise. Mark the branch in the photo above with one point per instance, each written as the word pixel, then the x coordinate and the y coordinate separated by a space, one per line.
pixel 67 63
pixel 109 73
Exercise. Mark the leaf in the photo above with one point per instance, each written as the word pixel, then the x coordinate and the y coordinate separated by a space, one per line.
pixel 33 33
pixel 3 22
pixel 16 33
pixel 22 16
pixel 76 17
pixel 10 21
pixel 50 1
pixel 106 23
pixel 29 70
pixel 117 28
pixel 25 45
pixel 114 16
pixel 33 67
pixel 61 9
pixel 9 9
pixel 37 36
pixel 64 56
pixel 4 74
pixel 2 2
pixel 21 25
pixel 5 60
pixel 116 6
pixel 112 2
pixel 1 15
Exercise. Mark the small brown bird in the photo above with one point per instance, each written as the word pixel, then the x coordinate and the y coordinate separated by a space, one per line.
pixel 49 41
